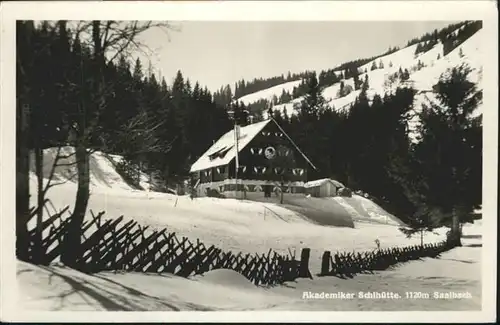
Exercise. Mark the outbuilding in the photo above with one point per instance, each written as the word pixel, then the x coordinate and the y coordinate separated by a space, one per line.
pixel 325 187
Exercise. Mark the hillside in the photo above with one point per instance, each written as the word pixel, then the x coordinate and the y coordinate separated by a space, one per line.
pixel 424 70
pixel 269 93
pixel 105 178
pixel 231 224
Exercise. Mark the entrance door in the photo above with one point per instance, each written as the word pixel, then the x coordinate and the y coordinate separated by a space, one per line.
pixel 267 190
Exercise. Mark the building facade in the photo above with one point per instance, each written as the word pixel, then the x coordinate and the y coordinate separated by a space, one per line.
pixel 252 161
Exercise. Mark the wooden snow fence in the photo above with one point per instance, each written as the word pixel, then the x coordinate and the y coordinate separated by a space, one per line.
pixel 119 245
pixel 350 263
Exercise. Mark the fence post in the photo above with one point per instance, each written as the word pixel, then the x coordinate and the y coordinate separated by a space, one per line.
pixel 325 263
pixel 304 263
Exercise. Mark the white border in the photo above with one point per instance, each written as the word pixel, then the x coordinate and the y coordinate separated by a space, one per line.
pixel 250 11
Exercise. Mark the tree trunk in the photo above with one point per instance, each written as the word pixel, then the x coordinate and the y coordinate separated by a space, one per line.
pixel 22 183
pixel 39 252
pixel 150 179
pixel 455 228
pixel 71 251
pixel 282 189
pixel 72 238
pixel 138 174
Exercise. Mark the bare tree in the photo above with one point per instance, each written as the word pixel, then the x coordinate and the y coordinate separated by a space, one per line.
pixel 29 133
pixel 22 147
pixel 108 40
pixel 140 135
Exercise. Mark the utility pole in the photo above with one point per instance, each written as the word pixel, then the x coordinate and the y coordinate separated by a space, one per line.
pixel 236 134
pixel 237 163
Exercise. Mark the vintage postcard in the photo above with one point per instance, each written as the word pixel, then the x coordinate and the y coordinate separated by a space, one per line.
pixel 257 161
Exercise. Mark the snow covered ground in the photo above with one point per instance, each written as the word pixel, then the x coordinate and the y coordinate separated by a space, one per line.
pixel 57 288
pixel 269 93
pixel 245 226
pixel 236 225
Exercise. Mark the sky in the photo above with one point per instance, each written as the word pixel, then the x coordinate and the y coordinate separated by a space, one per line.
pixel 220 53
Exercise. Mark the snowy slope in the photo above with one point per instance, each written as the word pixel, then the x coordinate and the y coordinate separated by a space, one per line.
pixel 424 79
pixel 269 93
pixel 277 90
pixel 103 174
pixel 237 225
pixel 434 64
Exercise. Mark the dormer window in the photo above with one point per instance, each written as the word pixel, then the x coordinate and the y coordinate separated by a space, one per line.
pixel 219 153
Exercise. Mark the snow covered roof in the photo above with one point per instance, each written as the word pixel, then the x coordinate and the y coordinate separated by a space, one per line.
pixel 223 151
pixel 226 147
pixel 322 181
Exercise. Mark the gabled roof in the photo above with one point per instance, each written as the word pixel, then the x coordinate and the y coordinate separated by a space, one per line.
pixel 223 151
pixel 322 181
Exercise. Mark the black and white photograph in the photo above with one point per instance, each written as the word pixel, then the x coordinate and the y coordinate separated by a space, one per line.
pixel 249 165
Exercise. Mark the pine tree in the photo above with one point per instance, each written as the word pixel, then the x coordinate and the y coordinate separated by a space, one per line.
pixel 270 112
pixel 286 118
pixel 418 49
pixel 138 74
pixel 357 82
pixel 314 102
pixel 366 85
pixel 449 152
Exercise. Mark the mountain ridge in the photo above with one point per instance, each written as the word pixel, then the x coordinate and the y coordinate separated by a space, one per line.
pixel 423 60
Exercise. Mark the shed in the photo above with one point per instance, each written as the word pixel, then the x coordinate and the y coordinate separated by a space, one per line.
pixel 323 187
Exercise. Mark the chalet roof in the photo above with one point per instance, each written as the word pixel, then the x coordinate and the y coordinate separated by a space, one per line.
pixel 322 181
pixel 225 149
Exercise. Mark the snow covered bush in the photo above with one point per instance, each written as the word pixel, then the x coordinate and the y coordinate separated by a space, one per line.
pixel 345 192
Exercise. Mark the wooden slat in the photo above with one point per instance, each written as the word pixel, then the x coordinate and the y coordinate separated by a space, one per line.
pixel 146 259
pixel 48 222
pixel 116 244
pixel 133 253
pixel 93 241
pixel 162 259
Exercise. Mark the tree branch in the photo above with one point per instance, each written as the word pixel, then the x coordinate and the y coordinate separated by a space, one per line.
pixel 63 182
pixel 52 171
pixel 67 164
